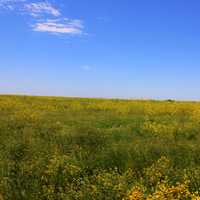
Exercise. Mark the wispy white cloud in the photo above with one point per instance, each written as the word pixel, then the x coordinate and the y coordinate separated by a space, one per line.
pixel 65 26
pixel 11 1
pixel 86 68
pixel 10 4
pixel 41 8
pixel 45 16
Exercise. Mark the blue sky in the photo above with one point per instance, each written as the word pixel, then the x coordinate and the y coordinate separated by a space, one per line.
pixel 107 48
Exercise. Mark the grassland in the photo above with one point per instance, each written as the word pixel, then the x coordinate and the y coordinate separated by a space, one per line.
pixel 88 149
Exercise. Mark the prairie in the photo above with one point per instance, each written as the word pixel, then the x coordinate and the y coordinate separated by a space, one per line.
pixel 78 148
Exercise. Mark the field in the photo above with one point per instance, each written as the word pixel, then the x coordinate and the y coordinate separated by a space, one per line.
pixel 95 149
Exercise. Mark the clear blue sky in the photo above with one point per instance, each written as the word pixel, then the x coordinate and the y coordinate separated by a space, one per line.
pixel 107 48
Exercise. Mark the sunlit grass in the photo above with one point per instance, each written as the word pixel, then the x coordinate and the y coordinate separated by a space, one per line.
pixel 73 148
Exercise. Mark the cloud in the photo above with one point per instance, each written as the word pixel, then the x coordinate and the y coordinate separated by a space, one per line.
pixel 65 26
pixel 10 4
pixel 41 8
pixel 45 16
pixel 86 68
pixel 11 1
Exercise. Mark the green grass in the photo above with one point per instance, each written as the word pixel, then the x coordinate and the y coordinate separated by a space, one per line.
pixel 73 148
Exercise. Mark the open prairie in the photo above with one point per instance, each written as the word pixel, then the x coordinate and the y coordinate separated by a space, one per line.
pixel 71 148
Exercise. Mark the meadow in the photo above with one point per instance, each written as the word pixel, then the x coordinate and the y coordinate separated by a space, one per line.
pixel 55 148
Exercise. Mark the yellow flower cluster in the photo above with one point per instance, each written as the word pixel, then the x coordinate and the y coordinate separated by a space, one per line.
pixel 165 192
pixel 136 194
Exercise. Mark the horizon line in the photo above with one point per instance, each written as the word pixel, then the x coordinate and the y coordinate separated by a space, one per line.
pixel 103 98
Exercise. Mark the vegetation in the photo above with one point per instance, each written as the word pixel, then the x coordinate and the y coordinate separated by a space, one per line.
pixel 95 149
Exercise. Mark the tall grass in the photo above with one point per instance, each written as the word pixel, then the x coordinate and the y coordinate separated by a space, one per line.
pixel 70 148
